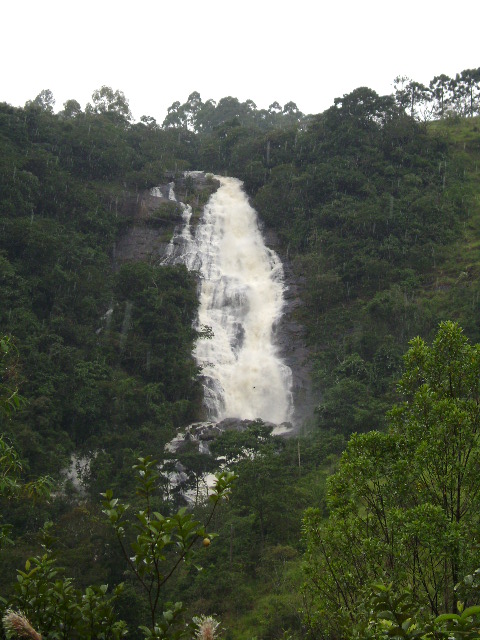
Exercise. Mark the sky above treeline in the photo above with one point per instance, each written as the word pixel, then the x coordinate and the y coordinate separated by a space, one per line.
pixel 157 52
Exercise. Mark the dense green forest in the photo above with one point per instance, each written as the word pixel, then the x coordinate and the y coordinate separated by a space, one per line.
pixel 375 204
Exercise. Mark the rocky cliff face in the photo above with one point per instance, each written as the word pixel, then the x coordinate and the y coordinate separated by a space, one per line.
pixel 148 228
pixel 150 218
pixel 290 337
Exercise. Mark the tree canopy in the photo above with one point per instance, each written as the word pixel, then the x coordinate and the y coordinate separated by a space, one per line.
pixel 403 504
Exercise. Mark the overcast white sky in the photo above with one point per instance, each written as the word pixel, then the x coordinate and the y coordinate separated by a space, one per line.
pixel 157 52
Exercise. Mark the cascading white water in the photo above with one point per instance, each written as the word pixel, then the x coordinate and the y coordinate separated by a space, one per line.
pixel 241 299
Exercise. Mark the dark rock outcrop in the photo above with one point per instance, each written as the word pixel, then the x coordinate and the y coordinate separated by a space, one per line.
pixel 150 217
pixel 290 337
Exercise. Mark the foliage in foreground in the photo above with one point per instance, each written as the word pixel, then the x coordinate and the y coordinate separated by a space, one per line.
pixel 50 603
pixel 404 503
pixel 400 616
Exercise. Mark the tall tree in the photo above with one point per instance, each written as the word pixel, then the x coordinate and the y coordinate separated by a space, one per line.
pixel 403 505
pixel 440 87
pixel 44 101
pixel 411 95
pixel 71 108
pixel 107 101
pixel 467 91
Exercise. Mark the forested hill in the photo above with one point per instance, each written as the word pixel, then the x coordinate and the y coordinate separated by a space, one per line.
pixel 375 205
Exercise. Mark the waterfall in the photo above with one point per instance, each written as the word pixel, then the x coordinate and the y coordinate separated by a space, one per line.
pixel 241 300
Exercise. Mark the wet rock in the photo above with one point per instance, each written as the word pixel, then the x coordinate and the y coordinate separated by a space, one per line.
pixel 151 217
pixel 202 434
pixel 234 424
pixel 291 340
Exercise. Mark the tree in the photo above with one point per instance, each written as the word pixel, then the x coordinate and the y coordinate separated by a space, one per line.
pixel 176 116
pixel 363 108
pixel 440 89
pixel 71 108
pixel 206 116
pixel 193 106
pixel 275 108
pixel 186 115
pixel 467 91
pixel 410 95
pixel 403 505
pixel 44 101
pixel 149 122
pixel 162 543
pixel 256 456
pixel 110 102
pixel 11 467
pixel 291 108
pixel 56 608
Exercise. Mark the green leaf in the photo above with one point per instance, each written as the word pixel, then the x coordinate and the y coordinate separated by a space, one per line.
pixel 447 616
pixel 471 611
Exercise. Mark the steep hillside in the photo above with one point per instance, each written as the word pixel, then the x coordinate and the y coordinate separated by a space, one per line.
pixel 377 217
pixel 379 222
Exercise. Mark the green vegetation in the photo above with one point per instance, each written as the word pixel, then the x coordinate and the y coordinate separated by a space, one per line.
pixel 403 504
pixel 92 341
pixel 376 209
